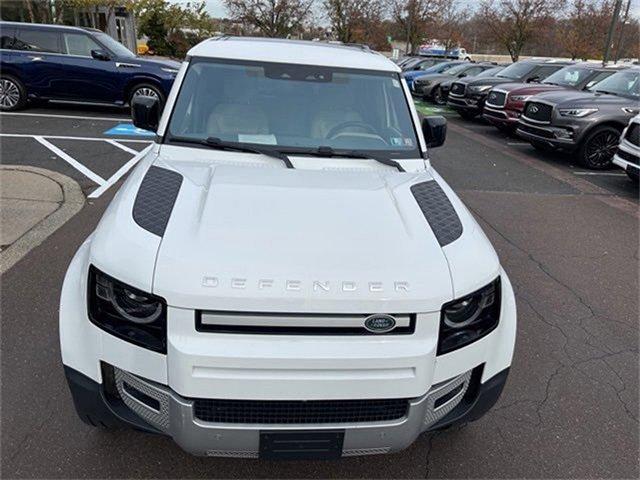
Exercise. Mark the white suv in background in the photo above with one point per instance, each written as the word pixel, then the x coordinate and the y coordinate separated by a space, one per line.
pixel 284 274
pixel 628 154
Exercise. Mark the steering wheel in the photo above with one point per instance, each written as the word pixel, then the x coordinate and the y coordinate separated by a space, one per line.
pixel 353 123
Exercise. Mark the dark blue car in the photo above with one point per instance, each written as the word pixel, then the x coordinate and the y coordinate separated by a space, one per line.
pixel 52 62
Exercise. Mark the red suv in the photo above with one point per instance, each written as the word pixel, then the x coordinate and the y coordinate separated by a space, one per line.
pixel 505 103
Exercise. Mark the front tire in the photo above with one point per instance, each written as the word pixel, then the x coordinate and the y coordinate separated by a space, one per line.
pixel 633 174
pixel 147 90
pixel 13 95
pixel 467 115
pixel 439 97
pixel 597 150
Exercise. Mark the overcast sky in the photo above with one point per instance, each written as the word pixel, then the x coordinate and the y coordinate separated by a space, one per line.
pixel 216 7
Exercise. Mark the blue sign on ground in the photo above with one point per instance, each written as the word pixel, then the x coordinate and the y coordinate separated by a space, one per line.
pixel 128 129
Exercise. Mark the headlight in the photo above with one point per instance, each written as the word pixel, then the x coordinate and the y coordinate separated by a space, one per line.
pixel 126 312
pixel 172 71
pixel 576 112
pixel 520 98
pixel 480 88
pixel 467 319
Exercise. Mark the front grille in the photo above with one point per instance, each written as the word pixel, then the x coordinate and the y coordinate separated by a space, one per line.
pixel 457 89
pixel 297 411
pixel 629 157
pixel 540 132
pixel 539 112
pixel 265 323
pixel 633 134
pixel 496 99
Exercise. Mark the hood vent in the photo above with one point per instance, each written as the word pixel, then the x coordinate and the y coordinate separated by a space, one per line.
pixel 438 211
pixel 155 199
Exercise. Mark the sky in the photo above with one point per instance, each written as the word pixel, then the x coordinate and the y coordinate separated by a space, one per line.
pixel 216 7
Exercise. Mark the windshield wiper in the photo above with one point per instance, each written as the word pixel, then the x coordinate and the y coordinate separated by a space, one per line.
pixel 325 151
pixel 606 92
pixel 215 142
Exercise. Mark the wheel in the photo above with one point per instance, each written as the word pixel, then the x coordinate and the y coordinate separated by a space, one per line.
pixel 438 97
pixel 467 115
pixel 543 147
pixel 147 90
pixel 633 174
pixel 13 95
pixel 597 150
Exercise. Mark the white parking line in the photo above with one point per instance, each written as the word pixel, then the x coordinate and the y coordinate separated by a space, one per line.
pixel 122 147
pixel 518 144
pixel 604 174
pixel 65 137
pixel 118 175
pixel 72 161
pixel 76 117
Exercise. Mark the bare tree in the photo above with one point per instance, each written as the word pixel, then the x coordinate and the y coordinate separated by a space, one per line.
pixel 448 24
pixel 513 22
pixel 355 21
pixel 271 18
pixel 413 16
pixel 586 20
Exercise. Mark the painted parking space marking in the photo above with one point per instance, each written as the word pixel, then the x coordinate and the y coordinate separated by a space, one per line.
pixel 604 174
pixel 71 161
pixel 75 117
pixel 67 137
pixel 120 173
pixel 122 147
pixel 103 184
pixel 129 129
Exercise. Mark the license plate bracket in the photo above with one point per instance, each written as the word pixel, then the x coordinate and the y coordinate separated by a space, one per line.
pixel 301 445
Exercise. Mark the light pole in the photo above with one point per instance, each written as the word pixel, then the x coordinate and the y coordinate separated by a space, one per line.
pixel 612 27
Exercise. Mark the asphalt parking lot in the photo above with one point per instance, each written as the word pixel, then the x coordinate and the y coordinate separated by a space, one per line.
pixel 568 238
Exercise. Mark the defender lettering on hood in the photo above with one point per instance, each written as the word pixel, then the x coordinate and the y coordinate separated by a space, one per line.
pixel 299 285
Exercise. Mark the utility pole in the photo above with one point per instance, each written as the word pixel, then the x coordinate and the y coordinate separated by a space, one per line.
pixel 624 22
pixel 612 27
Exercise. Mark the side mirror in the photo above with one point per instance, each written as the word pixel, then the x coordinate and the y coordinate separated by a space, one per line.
pixel 145 112
pixel 100 55
pixel 434 130
pixel 534 79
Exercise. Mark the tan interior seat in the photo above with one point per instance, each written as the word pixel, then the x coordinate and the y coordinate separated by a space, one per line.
pixel 237 118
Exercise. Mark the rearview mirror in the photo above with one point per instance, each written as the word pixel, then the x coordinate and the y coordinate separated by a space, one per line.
pixel 462 75
pixel 145 112
pixel 434 130
pixel 533 79
pixel 100 55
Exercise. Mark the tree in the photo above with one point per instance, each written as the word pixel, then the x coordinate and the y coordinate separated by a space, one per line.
pixel 586 20
pixel 513 22
pixel 447 27
pixel 172 28
pixel 413 16
pixel 357 21
pixel 271 18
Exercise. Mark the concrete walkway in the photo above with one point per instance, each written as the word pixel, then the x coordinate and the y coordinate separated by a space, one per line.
pixel 34 203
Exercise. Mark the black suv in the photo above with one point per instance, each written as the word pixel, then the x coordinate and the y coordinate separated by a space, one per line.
pixel 588 123
pixel 467 96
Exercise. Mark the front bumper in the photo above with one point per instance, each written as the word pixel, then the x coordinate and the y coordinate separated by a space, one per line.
pixel 560 133
pixel 128 400
pixel 471 104
pixel 501 117
pixel 628 158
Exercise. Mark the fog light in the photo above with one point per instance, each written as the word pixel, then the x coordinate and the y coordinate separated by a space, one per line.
pixel 563 133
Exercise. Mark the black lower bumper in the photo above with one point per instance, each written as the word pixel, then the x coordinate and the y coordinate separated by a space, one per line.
pixel 98 407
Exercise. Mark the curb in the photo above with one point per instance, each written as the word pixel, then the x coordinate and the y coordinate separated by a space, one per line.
pixel 72 203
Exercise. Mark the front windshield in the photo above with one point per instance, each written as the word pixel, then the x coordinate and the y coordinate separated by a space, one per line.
pixel 491 72
pixel 440 68
pixel 515 70
pixel 294 107
pixel 625 84
pixel 457 69
pixel 569 76
pixel 113 45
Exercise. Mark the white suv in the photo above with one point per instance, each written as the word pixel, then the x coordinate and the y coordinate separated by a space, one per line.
pixel 284 274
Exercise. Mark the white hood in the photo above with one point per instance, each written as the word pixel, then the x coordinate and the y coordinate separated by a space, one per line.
pixel 278 240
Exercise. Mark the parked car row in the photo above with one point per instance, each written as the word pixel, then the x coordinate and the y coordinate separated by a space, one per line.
pixel 52 62
pixel 579 108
